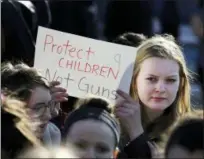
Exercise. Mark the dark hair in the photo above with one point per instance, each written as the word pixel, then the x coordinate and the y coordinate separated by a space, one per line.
pixel 96 102
pixel 20 76
pixel 188 135
pixel 94 108
pixel 130 39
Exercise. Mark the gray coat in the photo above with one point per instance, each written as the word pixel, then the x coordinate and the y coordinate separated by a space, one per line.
pixel 52 135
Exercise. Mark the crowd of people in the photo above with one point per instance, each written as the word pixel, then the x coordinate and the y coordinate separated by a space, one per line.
pixel 156 119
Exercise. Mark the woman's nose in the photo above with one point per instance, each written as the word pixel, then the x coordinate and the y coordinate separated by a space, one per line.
pixel 160 87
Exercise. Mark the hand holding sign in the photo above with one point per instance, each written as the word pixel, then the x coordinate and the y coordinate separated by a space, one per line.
pixel 128 112
pixel 58 94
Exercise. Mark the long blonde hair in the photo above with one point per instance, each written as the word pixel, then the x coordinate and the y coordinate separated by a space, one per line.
pixel 21 121
pixel 164 47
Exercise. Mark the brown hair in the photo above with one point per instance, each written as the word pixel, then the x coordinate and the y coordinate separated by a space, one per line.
pixel 163 47
pixel 95 101
pixel 20 77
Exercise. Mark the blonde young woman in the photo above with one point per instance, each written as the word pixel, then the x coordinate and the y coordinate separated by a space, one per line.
pixel 160 92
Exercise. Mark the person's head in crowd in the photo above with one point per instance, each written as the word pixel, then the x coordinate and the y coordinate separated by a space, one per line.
pixel 17 129
pixel 160 82
pixel 92 129
pixel 130 39
pixel 26 84
pixel 186 140
pixel 44 152
pixel 197 23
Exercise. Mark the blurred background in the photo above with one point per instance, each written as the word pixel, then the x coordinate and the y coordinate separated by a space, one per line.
pixel 105 20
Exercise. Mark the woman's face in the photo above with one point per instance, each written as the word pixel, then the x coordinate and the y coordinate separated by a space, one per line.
pixel 91 139
pixel 39 105
pixel 158 83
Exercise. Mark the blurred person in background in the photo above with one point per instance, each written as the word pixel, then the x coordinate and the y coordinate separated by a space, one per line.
pixel 180 145
pixel 171 14
pixel 197 23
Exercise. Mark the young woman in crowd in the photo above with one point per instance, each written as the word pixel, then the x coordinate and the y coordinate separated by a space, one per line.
pixel 40 96
pixel 92 130
pixel 186 140
pixel 160 92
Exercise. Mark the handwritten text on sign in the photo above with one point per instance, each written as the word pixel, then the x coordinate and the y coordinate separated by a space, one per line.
pixel 84 65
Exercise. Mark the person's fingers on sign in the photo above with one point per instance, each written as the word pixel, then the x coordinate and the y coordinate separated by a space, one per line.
pixel 59 94
pixel 128 112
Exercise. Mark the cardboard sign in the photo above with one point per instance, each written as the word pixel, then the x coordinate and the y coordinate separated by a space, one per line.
pixel 83 65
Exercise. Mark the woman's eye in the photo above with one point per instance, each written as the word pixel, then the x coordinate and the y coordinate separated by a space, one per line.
pixel 151 79
pixel 171 80
pixel 102 149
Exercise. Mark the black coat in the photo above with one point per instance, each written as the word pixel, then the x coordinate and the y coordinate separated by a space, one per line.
pixel 18 40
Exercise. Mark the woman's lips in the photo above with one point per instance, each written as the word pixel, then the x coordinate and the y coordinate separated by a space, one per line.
pixel 158 99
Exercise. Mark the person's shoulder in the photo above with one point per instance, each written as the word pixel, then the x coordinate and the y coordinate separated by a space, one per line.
pixel 54 133
pixel 53 128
